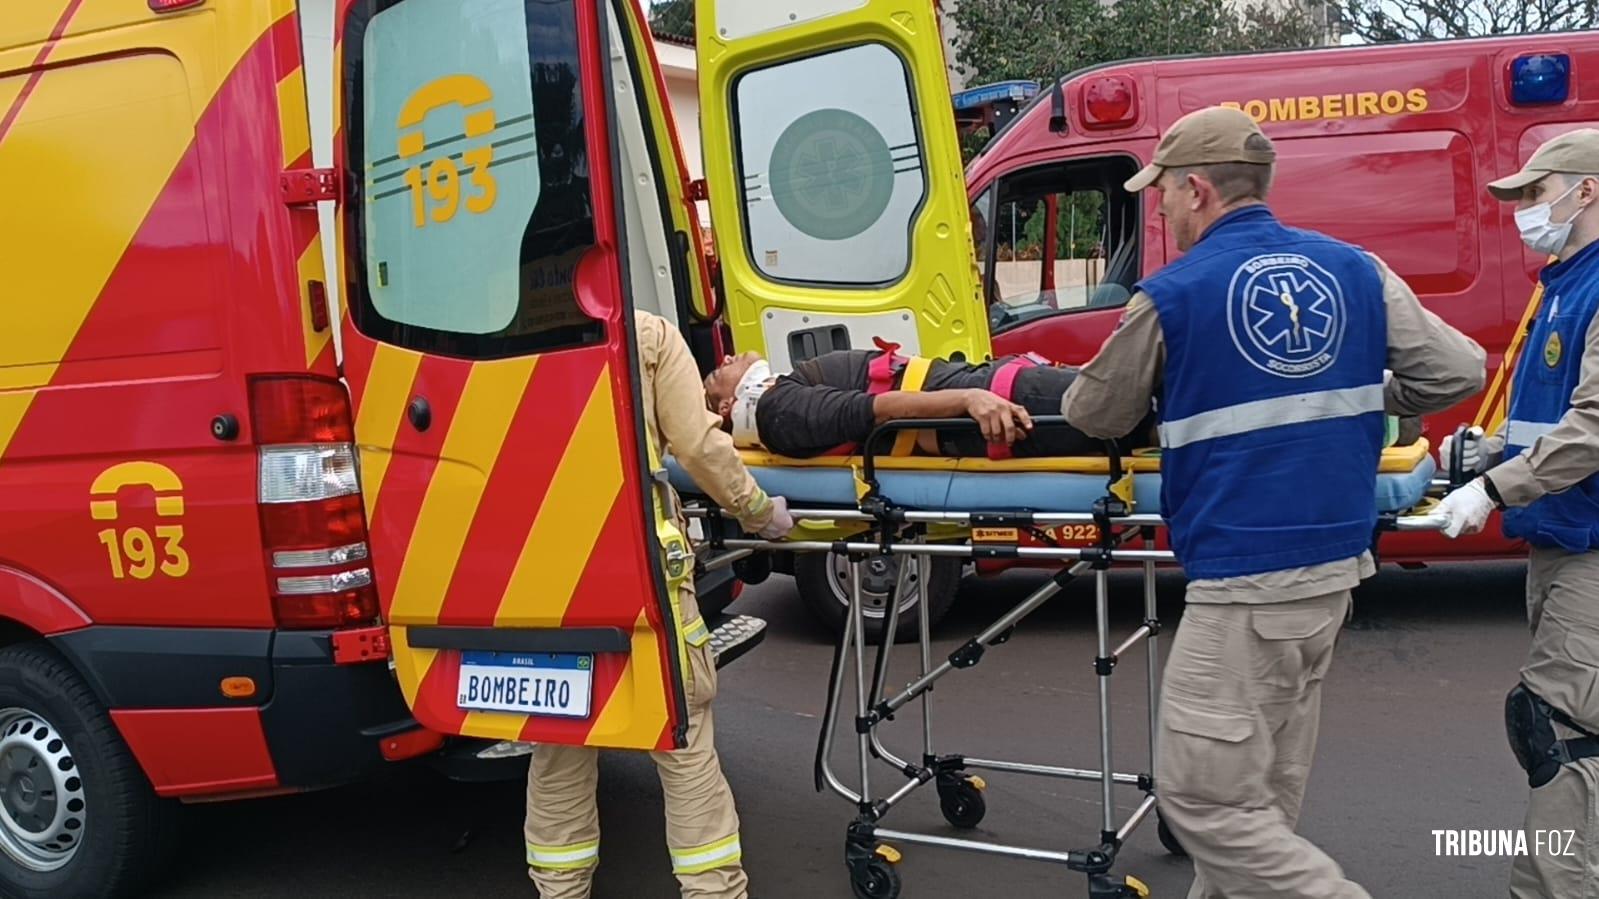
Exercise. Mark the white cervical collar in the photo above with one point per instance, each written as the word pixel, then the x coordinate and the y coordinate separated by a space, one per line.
pixel 745 397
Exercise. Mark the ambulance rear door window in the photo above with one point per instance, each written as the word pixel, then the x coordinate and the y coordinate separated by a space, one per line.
pixel 468 199
pixel 832 167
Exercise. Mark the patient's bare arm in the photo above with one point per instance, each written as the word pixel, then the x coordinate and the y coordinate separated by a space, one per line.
pixel 1000 421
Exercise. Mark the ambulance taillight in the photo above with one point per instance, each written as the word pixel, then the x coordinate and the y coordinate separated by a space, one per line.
pixel 313 525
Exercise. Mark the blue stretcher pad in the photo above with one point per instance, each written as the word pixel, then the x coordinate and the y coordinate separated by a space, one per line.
pixel 1016 485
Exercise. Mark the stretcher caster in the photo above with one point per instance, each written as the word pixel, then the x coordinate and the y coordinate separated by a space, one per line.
pixel 1103 886
pixel 876 877
pixel 1167 838
pixel 961 800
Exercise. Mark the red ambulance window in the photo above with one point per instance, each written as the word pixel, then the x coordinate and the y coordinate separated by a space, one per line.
pixel 468 175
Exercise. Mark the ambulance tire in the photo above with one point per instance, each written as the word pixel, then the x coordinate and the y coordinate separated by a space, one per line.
pixel 129 835
pixel 822 587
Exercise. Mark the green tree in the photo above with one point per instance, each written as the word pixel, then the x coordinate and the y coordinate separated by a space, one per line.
pixel 1045 39
pixel 1415 20
pixel 672 18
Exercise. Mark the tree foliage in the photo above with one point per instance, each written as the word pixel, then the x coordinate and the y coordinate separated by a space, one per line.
pixel 672 18
pixel 1379 21
pixel 1042 40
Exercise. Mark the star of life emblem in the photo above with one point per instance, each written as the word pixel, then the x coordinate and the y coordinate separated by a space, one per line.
pixel 1286 314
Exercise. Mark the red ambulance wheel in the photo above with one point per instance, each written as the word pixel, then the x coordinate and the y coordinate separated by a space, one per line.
pixel 823 581
pixel 77 816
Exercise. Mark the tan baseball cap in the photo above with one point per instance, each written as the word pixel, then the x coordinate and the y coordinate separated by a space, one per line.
pixel 1572 153
pixel 1205 137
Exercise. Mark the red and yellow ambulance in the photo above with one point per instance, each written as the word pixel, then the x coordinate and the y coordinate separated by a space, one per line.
pixel 218 489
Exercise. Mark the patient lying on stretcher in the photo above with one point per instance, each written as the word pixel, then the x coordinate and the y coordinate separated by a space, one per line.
pixel 831 403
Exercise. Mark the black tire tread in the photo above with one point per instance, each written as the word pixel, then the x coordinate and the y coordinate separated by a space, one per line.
pixel 144 828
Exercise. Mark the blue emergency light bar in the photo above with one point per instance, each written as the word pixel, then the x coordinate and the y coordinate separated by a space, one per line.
pixel 1540 78
pixel 983 95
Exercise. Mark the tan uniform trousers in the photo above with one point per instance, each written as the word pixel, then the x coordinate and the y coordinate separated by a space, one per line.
pixel 1563 668
pixel 1240 706
pixel 563 822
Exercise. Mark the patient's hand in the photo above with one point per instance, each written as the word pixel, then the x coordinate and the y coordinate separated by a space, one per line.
pixel 1001 421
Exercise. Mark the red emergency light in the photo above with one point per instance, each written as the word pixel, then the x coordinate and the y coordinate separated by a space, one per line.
pixel 1109 101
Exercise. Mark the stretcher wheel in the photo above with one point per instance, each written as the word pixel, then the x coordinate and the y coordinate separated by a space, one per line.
pixel 962 803
pixel 1167 838
pixel 879 881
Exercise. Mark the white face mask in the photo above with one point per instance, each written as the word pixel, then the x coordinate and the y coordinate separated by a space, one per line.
pixel 1539 232
pixel 745 398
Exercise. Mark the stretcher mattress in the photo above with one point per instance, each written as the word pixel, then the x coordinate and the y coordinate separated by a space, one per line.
pixel 1015 485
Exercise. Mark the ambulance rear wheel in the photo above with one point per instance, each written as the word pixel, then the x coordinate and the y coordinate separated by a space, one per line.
pixel 78 817
pixel 879 881
pixel 823 581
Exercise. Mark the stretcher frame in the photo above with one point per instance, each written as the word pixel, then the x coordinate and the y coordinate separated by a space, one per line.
pixel 902 532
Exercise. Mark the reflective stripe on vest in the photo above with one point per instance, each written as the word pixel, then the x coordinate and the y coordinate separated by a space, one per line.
pixel 1524 433
pixel 1270 413
pixel 562 858
pixel 698 859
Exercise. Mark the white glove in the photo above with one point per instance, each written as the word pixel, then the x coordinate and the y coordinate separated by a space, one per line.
pixel 781 522
pixel 1472 458
pixel 1467 509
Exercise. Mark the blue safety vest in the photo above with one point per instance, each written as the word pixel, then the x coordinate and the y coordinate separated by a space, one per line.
pixel 1271 416
pixel 1540 394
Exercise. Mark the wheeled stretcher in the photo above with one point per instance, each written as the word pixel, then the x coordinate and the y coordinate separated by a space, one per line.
pixel 871 506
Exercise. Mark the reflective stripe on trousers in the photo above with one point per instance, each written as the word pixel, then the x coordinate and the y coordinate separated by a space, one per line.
pixel 695 633
pixel 562 858
pixel 1270 413
pixel 697 859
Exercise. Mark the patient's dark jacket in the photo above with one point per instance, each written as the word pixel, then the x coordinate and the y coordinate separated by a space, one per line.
pixel 823 404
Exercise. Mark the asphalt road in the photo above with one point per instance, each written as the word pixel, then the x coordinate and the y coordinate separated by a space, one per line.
pixel 1411 740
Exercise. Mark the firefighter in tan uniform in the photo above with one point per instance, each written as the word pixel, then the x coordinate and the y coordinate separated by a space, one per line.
pixel 563 827
pixel 1274 354
pixel 1542 468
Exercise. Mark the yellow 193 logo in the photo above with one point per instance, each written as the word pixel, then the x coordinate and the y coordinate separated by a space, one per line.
pixel 135 551
pixel 436 192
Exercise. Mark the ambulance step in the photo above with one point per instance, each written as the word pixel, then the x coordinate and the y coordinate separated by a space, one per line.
pixel 734 635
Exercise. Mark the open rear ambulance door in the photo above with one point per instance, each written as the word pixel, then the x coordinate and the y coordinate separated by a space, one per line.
pixel 489 351
pixel 837 199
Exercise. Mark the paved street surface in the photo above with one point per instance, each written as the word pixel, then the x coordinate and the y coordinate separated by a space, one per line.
pixel 1411 740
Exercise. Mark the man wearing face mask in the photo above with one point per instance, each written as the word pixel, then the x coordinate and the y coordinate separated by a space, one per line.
pixel 1267 347
pixel 1542 469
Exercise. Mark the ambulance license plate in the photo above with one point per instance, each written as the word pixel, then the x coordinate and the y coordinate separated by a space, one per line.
pixel 527 683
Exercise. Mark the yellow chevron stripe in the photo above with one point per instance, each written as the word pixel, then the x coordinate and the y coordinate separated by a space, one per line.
pixel 494 725
pixel 120 179
pixel 410 665
pixel 477 433
pixel 377 419
pixel 635 713
pixel 294 120
pixel 569 519
pixel 310 269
